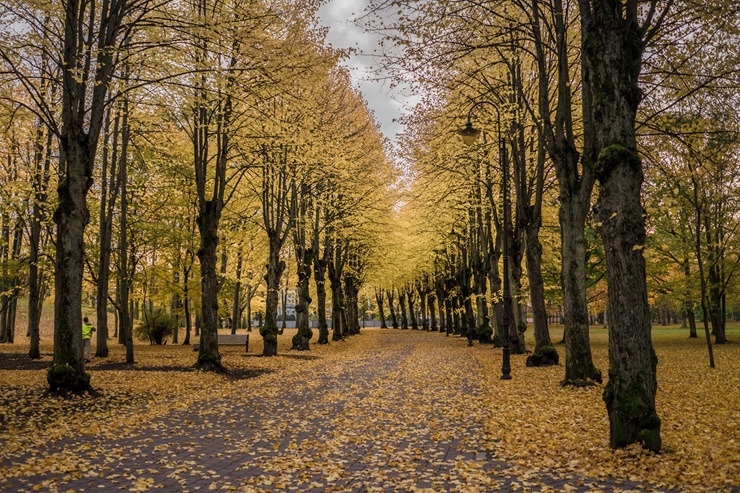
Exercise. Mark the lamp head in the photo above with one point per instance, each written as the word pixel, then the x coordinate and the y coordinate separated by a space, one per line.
pixel 469 134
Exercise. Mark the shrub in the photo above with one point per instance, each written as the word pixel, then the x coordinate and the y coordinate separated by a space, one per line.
pixel 156 327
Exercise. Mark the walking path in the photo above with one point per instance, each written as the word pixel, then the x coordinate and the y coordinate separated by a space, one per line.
pixel 402 416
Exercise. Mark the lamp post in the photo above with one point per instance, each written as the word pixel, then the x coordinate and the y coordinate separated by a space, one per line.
pixel 469 136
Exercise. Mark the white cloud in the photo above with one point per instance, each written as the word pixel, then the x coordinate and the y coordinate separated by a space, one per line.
pixel 388 105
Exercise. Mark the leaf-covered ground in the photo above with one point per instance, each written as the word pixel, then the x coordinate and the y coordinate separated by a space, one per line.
pixel 386 410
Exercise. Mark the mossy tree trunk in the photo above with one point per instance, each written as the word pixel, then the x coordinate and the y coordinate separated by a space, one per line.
pixel 612 48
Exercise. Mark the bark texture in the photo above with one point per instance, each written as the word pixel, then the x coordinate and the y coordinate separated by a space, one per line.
pixel 612 42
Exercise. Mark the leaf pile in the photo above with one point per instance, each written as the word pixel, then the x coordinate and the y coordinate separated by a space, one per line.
pixel 357 411
pixel 540 425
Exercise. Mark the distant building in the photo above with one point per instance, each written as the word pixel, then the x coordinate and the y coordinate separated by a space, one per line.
pixel 289 304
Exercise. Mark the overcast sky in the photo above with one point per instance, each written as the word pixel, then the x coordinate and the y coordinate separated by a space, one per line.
pixel 338 15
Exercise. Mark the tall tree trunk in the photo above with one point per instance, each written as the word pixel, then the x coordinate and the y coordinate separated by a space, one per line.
pixel 432 304
pixel 209 358
pixel 391 301
pixel 87 69
pixel 612 47
pixel 275 268
pixel 109 192
pixel 575 181
pixel 186 296
pixel 441 295
pixel 449 316
pixel 715 291
pixel 381 310
pixel 304 261
pixel 402 304
pixel 236 313
pixel 336 272
pixel 421 290
pixel 351 290
pixel 279 207
pixel 544 352
pixel 126 271
pixel 319 272
pixel 336 310
pixel 71 216
pixel 36 276
pixel 412 310
pixel 37 288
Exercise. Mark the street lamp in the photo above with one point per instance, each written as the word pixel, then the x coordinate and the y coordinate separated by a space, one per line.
pixel 469 136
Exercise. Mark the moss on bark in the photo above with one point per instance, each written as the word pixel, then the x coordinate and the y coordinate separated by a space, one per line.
pixel 632 417
pixel 63 378
pixel 588 378
pixel 545 355
pixel 269 333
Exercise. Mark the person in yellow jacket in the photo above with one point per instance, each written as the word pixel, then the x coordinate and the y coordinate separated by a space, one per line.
pixel 87 330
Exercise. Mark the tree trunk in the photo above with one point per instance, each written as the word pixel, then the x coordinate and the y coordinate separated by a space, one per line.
pixel 304 258
pixel 440 295
pixel 236 313
pixel 284 310
pixel 71 216
pixel 209 358
pixel 575 182
pixel 319 272
pixel 352 312
pixel 579 366
pixel 412 310
pixel 381 311
pixel 336 310
pixel 422 292
pixel 391 301
pixel 449 316
pixel 432 304
pixel 275 268
pixel 612 48
pixel 498 308
pixel 402 303
pixel 126 272
pixel 36 276
pixel 108 194
pixel 544 352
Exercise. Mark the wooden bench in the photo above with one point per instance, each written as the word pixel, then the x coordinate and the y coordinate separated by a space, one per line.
pixel 230 340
